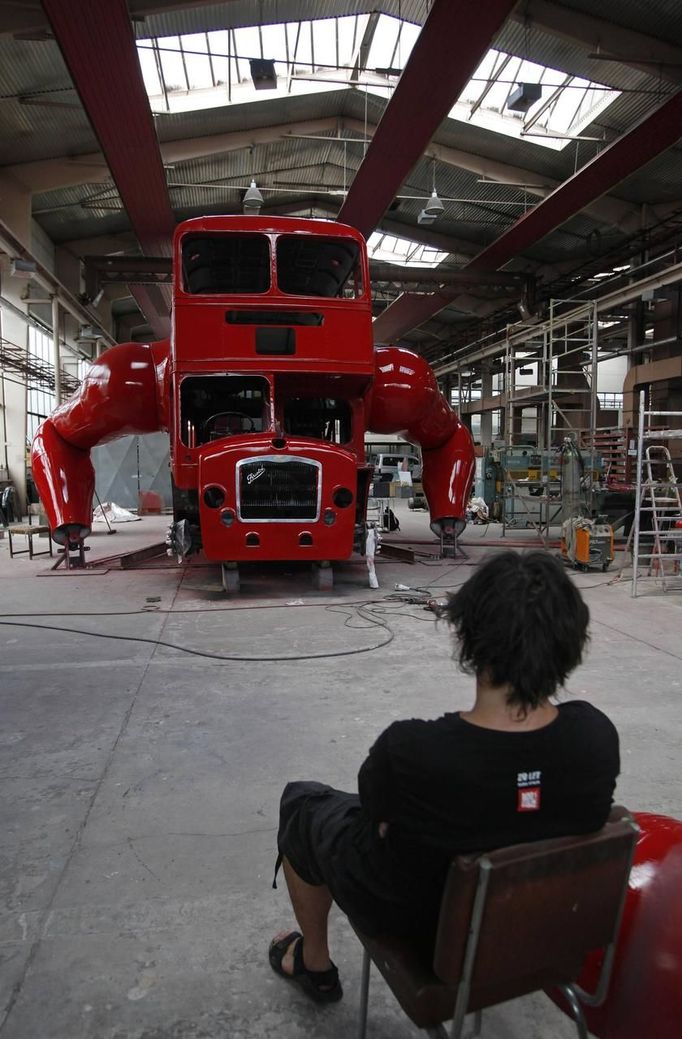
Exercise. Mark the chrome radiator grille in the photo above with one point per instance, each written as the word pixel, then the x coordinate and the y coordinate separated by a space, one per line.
pixel 278 487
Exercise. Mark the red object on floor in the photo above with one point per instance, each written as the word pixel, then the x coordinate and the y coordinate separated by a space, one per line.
pixel 149 503
pixel 644 999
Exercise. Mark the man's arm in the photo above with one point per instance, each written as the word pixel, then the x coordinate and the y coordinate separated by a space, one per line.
pixel 376 785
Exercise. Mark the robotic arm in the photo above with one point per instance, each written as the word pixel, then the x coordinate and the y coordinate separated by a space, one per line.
pixel 406 399
pixel 123 392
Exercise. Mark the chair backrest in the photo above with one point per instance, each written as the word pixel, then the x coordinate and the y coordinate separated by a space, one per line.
pixel 533 911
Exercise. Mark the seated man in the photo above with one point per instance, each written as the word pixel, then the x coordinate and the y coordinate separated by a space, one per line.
pixel 7 499
pixel 515 767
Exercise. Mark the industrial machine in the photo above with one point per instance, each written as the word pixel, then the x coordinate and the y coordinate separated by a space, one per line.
pixel 418 500
pixel 267 387
pixel 524 485
pixel 519 484
pixel 586 543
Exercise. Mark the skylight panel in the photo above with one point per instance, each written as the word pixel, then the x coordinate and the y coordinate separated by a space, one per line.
pixel 150 73
pixel 224 68
pixel 273 42
pixel 247 41
pixel 568 103
pixel 484 71
pixel 197 64
pixel 392 43
pixel 384 42
pixel 206 70
pixel 402 251
pixel 192 71
pixel 408 38
pixel 172 64
pixel 350 30
pixel 302 50
pixel 324 44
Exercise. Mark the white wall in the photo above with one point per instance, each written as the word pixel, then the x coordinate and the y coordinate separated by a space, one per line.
pixel 42 247
pixel 14 332
pixel 611 375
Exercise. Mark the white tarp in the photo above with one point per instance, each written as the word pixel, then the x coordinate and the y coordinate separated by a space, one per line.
pixel 113 513
pixel 477 510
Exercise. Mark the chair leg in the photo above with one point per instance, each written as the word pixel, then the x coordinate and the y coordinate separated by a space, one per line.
pixel 441 1033
pixel 459 1014
pixel 571 998
pixel 364 994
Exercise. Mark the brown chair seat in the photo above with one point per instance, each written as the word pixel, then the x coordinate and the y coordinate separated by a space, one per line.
pixel 29 531
pixel 513 921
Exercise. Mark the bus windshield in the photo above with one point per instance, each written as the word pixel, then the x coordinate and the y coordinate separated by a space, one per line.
pixel 312 265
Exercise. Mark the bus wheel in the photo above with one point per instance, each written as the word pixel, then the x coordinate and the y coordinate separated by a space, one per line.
pixel 230 574
pixel 323 576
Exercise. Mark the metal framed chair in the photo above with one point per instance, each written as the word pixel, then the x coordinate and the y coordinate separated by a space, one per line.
pixel 513 921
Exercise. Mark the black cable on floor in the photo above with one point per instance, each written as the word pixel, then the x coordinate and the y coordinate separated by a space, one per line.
pixel 374 621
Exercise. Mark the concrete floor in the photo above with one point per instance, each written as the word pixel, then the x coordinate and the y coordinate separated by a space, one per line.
pixel 140 783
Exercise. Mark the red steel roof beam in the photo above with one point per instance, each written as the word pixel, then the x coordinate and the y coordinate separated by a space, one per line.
pixel 629 153
pixel 453 40
pixel 98 46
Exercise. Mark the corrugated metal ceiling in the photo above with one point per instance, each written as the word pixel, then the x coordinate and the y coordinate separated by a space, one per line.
pixel 237 13
pixel 661 18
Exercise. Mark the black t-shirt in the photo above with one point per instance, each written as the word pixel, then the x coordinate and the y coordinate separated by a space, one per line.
pixel 448 786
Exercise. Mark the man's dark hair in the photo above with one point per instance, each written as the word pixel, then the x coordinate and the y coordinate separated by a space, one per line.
pixel 520 620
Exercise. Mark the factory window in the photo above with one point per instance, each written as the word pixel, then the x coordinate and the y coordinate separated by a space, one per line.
pixel 308 265
pixel 40 400
pixel 225 263
pixel 214 407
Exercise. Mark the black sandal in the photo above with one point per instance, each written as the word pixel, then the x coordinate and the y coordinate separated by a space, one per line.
pixel 321 985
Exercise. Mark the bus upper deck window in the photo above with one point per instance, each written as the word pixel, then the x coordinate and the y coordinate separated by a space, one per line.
pixel 308 265
pixel 225 263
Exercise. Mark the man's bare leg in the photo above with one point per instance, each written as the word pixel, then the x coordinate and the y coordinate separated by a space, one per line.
pixel 311 905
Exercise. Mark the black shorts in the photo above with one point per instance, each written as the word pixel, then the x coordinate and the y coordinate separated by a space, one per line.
pixel 323 833
pixel 313 820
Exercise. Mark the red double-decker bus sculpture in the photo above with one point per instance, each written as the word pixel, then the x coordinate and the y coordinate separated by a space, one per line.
pixel 267 386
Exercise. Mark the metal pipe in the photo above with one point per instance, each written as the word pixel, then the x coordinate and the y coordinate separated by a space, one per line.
pixel 4 418
pixel 606 303
pixel 638 496
pixel 650 344
pixel 57 352
pixel 594 403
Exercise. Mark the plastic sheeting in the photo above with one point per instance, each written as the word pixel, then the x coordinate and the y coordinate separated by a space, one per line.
pixel 110 512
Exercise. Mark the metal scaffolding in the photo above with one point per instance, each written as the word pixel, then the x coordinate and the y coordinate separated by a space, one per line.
pixel 564 398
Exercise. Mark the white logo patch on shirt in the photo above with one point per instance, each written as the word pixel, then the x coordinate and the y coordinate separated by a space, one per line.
pixel 528 791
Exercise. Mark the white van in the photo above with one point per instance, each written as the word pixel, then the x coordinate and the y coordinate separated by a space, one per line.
pixel 387 467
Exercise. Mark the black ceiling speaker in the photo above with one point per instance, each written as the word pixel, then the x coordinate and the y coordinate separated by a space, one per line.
pixel 524 96
pixel 263 73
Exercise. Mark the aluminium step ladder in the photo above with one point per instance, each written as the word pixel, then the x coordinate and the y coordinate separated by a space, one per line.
pixel 660 499
pixel 658 510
